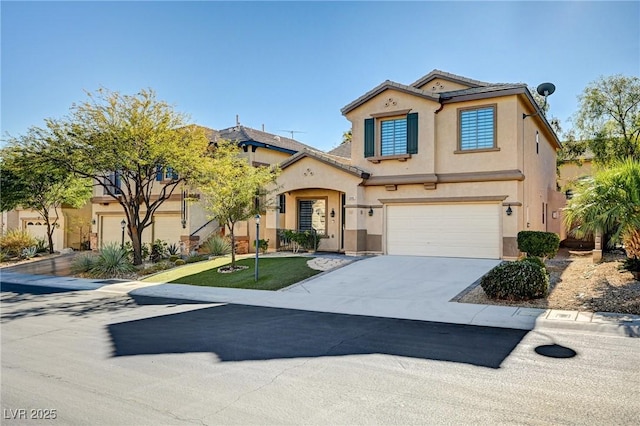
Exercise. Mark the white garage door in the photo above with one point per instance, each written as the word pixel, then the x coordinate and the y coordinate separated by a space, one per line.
pixel 111 231
pixel 167 228
pixel 448 230
pixel 38 229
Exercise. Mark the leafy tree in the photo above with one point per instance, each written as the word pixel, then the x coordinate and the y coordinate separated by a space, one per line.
pixel 28 180
pixel 608 120
pixel 137 148
pixel 609 202
pixel 229 189
pixel 347 136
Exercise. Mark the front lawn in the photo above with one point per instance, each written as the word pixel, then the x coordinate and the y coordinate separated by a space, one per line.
pixel 274 274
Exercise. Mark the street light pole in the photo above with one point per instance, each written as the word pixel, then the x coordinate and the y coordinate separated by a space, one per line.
pixel 257 244
pixel 122 225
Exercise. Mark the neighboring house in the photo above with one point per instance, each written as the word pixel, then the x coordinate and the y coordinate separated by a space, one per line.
pixel 180 220
pixel 568 172
pixel 446 166
pixel 71 230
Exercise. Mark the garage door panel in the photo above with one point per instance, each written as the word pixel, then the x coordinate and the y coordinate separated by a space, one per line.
pixel 111 231
pixel 451 230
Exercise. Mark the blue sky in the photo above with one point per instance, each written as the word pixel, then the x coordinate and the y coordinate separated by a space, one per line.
pixel 293 65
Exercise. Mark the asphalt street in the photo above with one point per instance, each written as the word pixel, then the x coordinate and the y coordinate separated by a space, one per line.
pixel 96 358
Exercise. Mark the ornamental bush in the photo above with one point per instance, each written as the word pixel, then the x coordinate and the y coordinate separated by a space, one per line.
pixel 217 245
pixel 534 261
pixel 16 240
pixel 112 261
pixel 515 281
pixel 538 243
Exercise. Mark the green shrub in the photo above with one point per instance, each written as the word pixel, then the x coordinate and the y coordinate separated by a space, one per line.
pixel 534 261
pixel 145 250
pixel 217 245
pixel 538 243
pixel 173 258
pixel 195 257
pixel 16 240
pixel 3 256
pixel 158 250
pixel 264 245
pixel 156 267
pixel 41 245
pixel 173 249
pixel 83 263
pixel 29 252
pixel 515 281
pixel 179 262
pixel 112 261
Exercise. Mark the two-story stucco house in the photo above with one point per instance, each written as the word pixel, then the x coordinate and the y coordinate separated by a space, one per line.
pixel 445 166
pixel 180 219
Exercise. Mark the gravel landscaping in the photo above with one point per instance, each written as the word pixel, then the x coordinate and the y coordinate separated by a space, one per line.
pixel 578 284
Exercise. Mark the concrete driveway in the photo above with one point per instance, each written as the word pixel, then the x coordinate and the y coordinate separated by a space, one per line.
pixel 406 278
pixel 405 287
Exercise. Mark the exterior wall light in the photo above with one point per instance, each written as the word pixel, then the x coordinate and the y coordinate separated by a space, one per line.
pixel 509 211
pixel 333 213
pixel 370 211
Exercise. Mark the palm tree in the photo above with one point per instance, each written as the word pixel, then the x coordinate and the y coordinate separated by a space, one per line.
pixel 609 202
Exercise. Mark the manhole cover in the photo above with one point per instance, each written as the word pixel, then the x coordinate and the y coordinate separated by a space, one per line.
pixel 555 351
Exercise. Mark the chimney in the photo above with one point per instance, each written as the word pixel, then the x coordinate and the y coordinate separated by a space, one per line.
pixel 237 120
pixel 263 127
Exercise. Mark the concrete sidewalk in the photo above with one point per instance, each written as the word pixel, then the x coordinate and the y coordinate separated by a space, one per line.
pixel 352 290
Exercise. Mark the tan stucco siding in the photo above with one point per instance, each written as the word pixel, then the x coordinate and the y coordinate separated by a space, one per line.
pixel 449 159
pixel 311 173
pixel 394 103
pixel 441 85
pixel 267 156
pixel 569 172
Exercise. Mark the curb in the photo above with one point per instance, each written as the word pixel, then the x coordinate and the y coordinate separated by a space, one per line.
pixel 611 324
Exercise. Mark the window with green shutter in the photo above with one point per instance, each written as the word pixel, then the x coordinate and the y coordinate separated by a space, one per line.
pixel 369 137
pixel 398 135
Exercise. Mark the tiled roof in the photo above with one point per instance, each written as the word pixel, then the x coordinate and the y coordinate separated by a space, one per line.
pixel 448 76
pixel 335 161
pixel 479 90
pixel 244 134
pixel 342 150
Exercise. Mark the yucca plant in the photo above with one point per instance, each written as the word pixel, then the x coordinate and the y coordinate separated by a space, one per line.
pixel 217 245
pixel 83 263
pixel 609 202
pixel 173 249
pixel 112 261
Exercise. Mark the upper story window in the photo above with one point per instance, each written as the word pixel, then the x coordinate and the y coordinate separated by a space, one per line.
pixel 113 183
pixel 477 128
pixel 165 173
pixel 393 136
pixel 398 137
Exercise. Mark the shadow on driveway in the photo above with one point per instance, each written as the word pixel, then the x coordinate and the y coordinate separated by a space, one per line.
pixel 244 333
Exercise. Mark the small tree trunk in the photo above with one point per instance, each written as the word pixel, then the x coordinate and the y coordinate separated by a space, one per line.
pixel 136 239
pixel 50 230
pixel 233 245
